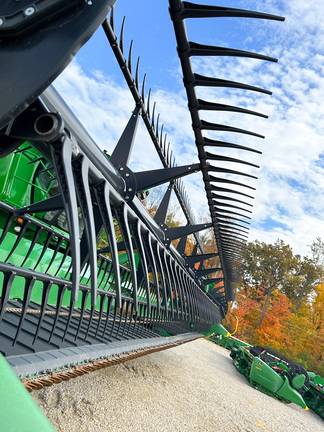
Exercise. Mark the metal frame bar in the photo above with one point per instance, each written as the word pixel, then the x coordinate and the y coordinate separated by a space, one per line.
pixel 58 288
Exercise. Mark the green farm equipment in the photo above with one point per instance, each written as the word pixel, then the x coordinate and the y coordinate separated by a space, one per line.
pixel 228 341
pixel 314 396
pixel 86 274
pixel 276 377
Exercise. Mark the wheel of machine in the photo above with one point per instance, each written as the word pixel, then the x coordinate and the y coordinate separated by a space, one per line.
pixel 233 352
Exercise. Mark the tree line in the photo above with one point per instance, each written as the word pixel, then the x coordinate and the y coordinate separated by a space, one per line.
pixel 280 302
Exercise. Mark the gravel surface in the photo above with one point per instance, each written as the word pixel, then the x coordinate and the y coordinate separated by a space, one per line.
pixel 191 388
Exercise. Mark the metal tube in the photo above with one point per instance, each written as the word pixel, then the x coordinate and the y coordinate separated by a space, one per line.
pixel 55 103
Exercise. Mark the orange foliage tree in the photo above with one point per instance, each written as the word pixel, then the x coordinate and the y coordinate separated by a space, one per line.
pixel 297 335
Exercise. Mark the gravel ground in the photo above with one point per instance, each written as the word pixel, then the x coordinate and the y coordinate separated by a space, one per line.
pixel 191 388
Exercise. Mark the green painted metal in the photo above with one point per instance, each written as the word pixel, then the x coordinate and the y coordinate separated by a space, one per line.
pixel 290 394
pixel 17 172
pixel 274 378
pixel 219 329
pixel 22 182
pixel 18 410
pixel 314 396
pixel 265 379
pixel 298 381
pixel 227 342
pixel 24 179
pixel 264 375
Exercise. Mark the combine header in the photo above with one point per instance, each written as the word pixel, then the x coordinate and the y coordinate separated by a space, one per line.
pixel 85 272
pixel 279 378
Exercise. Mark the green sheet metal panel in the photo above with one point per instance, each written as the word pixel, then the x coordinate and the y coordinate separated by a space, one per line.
pixel 18 410
pixel 262 374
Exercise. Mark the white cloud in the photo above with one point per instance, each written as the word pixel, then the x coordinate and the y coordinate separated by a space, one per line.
pixel 104 107
pixel 289 199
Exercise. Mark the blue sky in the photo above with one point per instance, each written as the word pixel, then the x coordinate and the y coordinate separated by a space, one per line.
pixel 289 201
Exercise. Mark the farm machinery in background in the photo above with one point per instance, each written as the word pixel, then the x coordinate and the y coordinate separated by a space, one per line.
pixel 273 374
pixel 87 277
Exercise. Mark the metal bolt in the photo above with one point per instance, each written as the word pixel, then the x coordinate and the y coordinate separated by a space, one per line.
pixel 29 11
pixel 130 189
pixel 121 169
pixel 127 175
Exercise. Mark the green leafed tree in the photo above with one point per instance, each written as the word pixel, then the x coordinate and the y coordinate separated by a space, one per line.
pixel 268 267
pixel 301 281
pixel 317 253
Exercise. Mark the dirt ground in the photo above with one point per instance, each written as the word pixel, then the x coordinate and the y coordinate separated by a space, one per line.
pixel 191 388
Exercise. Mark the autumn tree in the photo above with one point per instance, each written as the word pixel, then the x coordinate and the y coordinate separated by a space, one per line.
pixel 280 304
pixel 299 336
pixel 273 330
pixel 247 310
pixel 306 332
pixel 301 280
pixel 318 308
pixel 267 267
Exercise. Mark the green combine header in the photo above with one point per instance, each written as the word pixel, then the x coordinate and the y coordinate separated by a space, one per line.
pixel 87 277
pixel 274 376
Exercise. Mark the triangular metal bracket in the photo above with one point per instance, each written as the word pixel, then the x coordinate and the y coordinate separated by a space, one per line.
pixel 121 154
pixel 162 211
pixel 205 272
pixel 177 232
pixel 49 204
pixel 152 178
pixel 193 259
pixel 182 245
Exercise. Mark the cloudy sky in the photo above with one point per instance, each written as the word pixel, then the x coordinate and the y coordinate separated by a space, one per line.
pixel 289 196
